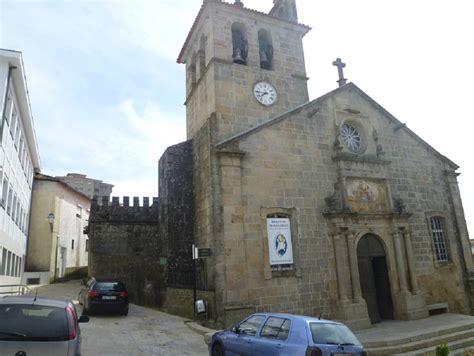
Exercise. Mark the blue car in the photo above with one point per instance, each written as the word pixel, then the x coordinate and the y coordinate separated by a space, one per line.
pixel 285 334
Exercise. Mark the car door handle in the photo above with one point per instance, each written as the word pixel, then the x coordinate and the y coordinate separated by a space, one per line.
pixel 249 341
pixel 278 346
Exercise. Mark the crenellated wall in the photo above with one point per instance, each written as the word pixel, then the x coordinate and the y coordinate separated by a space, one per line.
pixel 125 244
pixel 149 246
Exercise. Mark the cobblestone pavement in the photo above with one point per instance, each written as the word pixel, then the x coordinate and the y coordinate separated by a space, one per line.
pixel 144 331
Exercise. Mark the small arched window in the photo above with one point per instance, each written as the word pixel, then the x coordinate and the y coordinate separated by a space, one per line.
pixel 239 44
pixel 266 49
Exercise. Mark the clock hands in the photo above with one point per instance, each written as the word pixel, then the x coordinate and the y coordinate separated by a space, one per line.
pixel 261 94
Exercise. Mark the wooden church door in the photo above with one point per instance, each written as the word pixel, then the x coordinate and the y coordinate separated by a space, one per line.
pixel 374 279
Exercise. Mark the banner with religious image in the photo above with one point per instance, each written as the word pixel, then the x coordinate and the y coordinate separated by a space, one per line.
pixel 279 241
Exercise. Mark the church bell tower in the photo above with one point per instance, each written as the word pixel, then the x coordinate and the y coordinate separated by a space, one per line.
pixel 243 66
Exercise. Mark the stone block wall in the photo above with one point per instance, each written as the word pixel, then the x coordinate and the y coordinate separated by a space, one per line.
pixel 125 244
pixel 177 212
pixel 291 165
pixel 234 99
pixel 179 301
pixel 149 247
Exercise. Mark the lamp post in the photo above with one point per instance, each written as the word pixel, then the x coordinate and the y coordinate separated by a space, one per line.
pixel 51 221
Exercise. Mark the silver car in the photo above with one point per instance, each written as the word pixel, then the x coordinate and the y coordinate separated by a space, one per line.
pixel 31 326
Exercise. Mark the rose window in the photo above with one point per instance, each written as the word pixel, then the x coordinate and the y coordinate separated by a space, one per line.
pixel 351 138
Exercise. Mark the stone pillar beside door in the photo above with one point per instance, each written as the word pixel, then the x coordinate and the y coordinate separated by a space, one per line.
pixel 409 302
pixel 352 308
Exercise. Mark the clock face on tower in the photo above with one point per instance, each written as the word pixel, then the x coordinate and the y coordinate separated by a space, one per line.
pixel 265 93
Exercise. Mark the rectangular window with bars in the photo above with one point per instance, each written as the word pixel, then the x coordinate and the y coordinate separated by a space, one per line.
pixel 439 239
pixel 9 264
pixel 3 269
pixel 9 202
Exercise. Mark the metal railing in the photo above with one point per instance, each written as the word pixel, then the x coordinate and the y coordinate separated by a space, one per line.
pixel 14 289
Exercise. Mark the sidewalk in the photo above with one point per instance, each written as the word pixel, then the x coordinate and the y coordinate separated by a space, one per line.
pixel 145 331
pixel 389 331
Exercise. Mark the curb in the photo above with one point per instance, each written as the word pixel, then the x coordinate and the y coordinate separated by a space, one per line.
pixel 201 330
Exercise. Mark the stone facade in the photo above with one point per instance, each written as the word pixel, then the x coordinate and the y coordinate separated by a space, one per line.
pixel 124 245
pixel 253 161
pixel 177 213
pixel 373 214
pixel 150 247
pixel 208 87
pixel 292 166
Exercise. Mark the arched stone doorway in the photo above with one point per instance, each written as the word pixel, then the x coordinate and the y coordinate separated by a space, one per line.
pixel 374 279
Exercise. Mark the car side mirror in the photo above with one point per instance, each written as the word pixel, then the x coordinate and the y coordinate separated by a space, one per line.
pixel 235 329
pixel 83 319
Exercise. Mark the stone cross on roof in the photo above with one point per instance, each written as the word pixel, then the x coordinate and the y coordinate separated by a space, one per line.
pixel 340 65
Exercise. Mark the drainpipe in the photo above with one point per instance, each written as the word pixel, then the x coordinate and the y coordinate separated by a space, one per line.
pixel 10 69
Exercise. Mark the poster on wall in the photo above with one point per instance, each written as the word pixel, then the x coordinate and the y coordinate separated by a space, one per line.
pixel 279 241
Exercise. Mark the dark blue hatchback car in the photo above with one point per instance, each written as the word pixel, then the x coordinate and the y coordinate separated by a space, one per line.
pixel 286 334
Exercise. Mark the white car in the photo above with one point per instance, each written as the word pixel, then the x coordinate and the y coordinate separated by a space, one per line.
pixel 31 326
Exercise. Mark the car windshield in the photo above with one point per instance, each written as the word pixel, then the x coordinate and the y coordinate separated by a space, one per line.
pixel 328 333
pixel 109 286
pixel 32 323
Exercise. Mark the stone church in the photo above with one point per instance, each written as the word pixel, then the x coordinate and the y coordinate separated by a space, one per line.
pixel 328 206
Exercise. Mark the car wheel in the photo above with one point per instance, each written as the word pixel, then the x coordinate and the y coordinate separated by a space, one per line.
pixel 217 350
pixel 125 311
pixel 85 311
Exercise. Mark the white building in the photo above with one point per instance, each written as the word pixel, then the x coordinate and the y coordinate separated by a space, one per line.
pixel 57 244
pixel 19 159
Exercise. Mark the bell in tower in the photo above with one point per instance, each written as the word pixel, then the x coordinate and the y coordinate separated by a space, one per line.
pixel 266 50
pixel 239 43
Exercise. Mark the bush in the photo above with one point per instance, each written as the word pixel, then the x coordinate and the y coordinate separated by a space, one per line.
pixel 442 350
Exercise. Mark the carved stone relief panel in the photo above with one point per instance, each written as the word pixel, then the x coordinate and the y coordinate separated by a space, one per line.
pixel 367 195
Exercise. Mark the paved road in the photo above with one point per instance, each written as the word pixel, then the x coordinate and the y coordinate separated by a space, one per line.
pixel 143 332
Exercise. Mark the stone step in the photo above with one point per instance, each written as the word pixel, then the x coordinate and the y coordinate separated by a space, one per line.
pixel 427 343
pixel 468 351
pixel 464 347
pixel 436 333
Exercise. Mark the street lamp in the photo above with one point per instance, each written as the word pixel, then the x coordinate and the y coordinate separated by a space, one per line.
pixel 51 220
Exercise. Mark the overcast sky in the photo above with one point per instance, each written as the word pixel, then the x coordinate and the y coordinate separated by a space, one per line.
pixel 107 95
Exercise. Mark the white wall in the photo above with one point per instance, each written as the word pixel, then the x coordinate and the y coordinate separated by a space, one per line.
pixel 16 168
pixel 73 218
